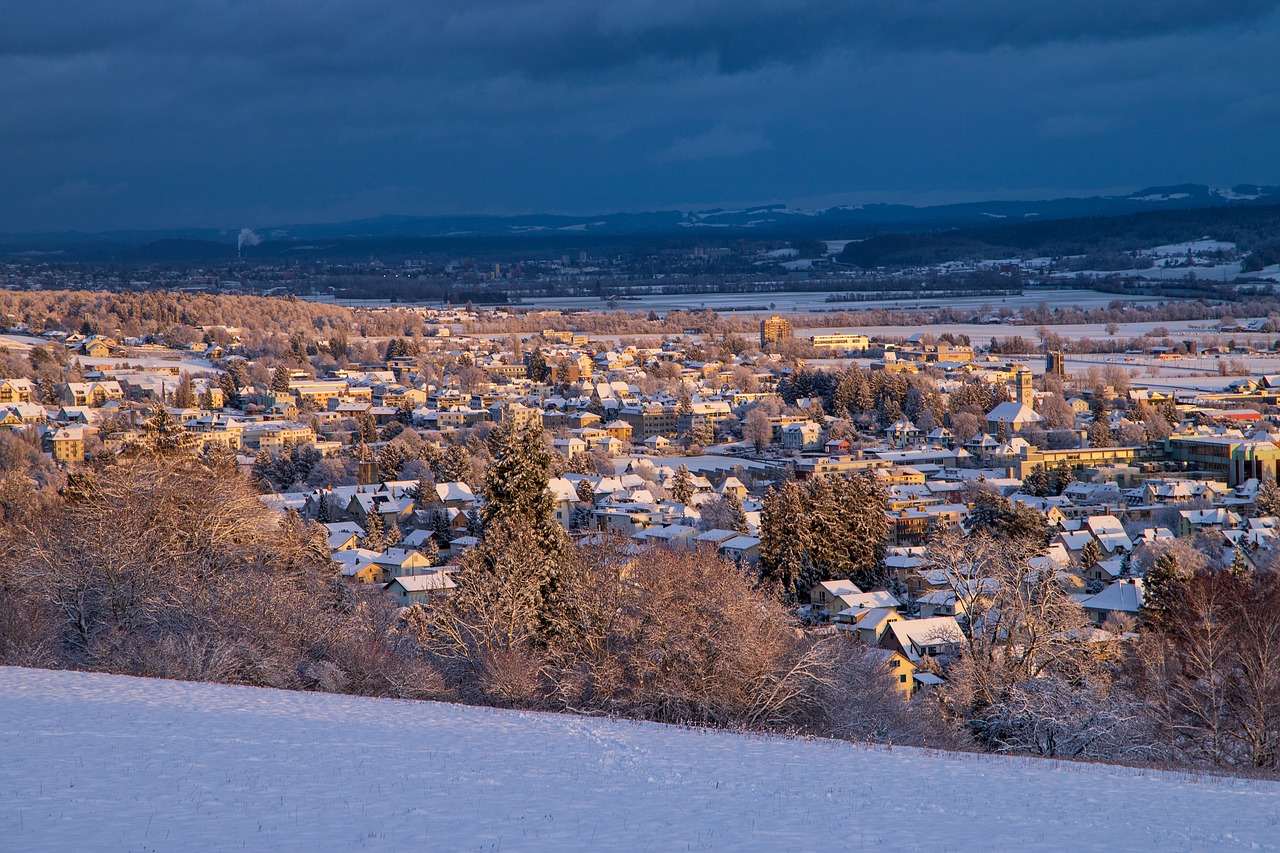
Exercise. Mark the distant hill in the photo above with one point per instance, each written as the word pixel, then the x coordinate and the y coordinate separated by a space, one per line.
pixel 776 220
pixel 107 762
pixel 1250 227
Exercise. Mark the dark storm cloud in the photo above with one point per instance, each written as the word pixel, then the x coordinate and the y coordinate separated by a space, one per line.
pixel 159 112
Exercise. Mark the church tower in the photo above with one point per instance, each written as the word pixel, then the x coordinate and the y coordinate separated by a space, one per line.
pixel 1026 394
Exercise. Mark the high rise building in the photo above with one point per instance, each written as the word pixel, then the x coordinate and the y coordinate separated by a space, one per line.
pixel 774 329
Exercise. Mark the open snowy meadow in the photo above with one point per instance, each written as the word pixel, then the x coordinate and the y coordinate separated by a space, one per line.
pixel 97 762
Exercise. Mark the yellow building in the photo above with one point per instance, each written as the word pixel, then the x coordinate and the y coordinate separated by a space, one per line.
pixel 774 329
pixel 68 444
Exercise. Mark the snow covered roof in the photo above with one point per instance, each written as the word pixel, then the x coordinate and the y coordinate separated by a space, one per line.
pixel 1124 596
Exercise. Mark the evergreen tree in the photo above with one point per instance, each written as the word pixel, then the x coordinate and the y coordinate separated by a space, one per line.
pixel 784 542
pixel 390 460
pixel 322 511
pixel 367 428
pixel 230 393
pixel 586 494
pixel 518 518
pixel 239 374
pixel 440 526
pixel 1267 502
pixel 375 535
pixel 430 550
pixel 1162 589
pixel 1240 567
pixel 165 434
pixel 424 493
pixel 1062 477
pixel 280 380
pixel 867 533
pixel 453 465
pixel 1100 434
pixel 264 470
pixel 828 527
pixel 1090 554
pixel 516 486
pixel 682 485
pixel 535 366
pixel 184 394
pixel 735 512
pixel 1036 482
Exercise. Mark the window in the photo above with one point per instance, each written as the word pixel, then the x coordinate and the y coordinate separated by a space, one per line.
pixel 895 663
pixel 902 679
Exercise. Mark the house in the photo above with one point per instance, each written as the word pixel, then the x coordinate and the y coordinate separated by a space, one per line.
pixel 825 592
pixel 901 669
pixel 68 444
pixel 744 550
pixel 856 605
pixel 804 436
pixel 90 393
pixel 97 347
pixel 1123 597
pixel 902 433
pixel 872 625
pixel 916 638
pixel 357 565
pixel 401 562
pixel 344 535
pixel 420 589
pixel 1014 416
pixel 18 390
pixel 940 602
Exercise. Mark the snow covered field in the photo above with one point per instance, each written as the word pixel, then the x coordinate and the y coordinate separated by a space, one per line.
pixel 96 762
pixel 799 302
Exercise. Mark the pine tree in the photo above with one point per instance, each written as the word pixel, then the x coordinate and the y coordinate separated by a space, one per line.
pixel 264 469
pixel 1162 588
pixel 430 550
pixel 165 434
pixel 1062 477
pixel 784 542
pixel 440 526
pixel 424 493
pixel 1090 554
pixel 322 511
pixel 516 486
pixel 230 393
pixel 520 541
pixel 682 485
pixel 1100 434
pixel 453 465
pixel 828 524
pixel 1240 568
pixel 535 366
pixel 1036 482
pixel 280 380
pixel 375 536
pixel 867 533
pixel 1267 502
pixel 735 512
pixel 184 394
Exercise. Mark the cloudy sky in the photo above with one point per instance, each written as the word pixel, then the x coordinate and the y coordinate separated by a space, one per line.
pixel 229 113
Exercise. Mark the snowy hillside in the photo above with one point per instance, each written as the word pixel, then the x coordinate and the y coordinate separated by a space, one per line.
pixel 94 762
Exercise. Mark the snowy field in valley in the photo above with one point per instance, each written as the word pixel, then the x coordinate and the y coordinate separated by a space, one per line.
pixel 96 762
pixel 802 302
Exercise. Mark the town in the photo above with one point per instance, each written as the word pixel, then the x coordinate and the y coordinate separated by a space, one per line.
pixel 863 478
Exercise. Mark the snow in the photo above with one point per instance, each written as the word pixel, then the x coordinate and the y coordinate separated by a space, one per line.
pixel 99 762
